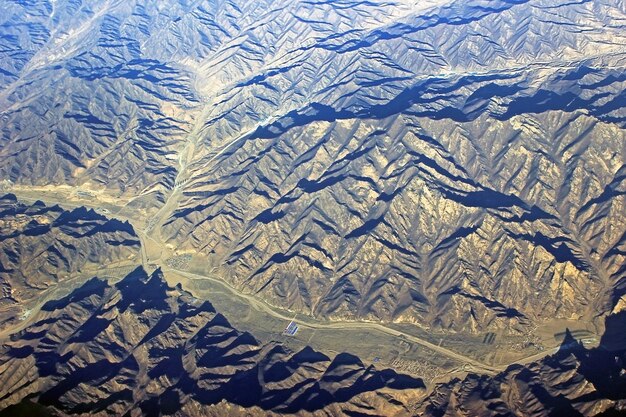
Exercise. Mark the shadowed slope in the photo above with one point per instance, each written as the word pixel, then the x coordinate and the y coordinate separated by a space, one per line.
pixel 141 345
pixel 575 381
pixel 41 247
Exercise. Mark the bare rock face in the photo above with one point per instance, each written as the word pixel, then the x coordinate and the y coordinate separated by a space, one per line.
pixel 41 247
pixel 573 382
pixel 452 164
pixel 446 168
pixel 456 164
pixel 141 347
pixel 394 228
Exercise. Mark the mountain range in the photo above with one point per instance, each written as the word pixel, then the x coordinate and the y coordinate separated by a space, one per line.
pixel 455 169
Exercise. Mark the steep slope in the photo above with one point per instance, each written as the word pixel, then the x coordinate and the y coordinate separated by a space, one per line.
pixel 479 186
pixel 140 346
pixel 42 246
pixel 456 164
pixel 111 95
pixel 573 382
pixel 82 105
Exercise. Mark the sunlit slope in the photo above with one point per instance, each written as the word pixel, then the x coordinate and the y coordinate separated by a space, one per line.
pixel 140 347
pixel 43 247
pixel 454 164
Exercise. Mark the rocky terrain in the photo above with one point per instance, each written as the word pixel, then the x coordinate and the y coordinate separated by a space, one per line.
pixel 573 382
pixel 42 247
pixel 456 171
pixel 141 347
pixel 456 164
pixel 450 170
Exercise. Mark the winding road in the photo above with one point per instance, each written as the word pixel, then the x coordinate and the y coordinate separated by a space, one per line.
pixel 468 364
